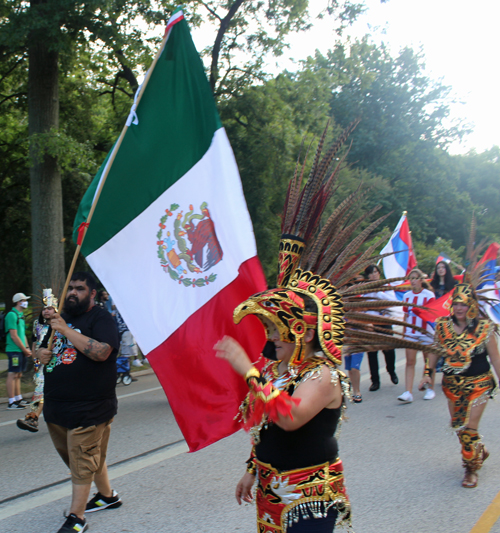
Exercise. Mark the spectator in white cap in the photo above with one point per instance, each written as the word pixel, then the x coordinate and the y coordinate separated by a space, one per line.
pixel 16 346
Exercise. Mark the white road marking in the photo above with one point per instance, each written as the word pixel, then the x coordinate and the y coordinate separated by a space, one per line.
pixel 119 397
pixel 138 392
pixel 30 502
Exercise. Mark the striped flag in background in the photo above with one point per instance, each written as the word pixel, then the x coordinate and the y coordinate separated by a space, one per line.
pixel 403 260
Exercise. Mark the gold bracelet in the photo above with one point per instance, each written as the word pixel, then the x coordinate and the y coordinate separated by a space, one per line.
pixel 252 373
pixel 251 467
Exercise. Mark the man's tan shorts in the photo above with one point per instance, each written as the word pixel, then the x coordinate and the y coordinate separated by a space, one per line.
pixel 82 449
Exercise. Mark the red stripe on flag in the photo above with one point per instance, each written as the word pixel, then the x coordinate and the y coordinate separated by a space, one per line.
pixel 435 308
pixel 203 391
pixel 491 253
pixel 174 20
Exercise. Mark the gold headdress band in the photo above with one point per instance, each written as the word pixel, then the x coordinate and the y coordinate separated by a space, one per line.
pixel 319 259
pixel 285 306
pixel 463 293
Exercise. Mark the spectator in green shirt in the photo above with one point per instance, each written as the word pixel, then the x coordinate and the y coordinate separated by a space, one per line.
pixel 17 350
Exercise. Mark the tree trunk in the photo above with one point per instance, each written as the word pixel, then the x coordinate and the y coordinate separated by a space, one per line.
pixel 224 24
pixel 46 191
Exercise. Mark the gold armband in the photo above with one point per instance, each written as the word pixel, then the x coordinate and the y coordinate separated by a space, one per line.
pixel 252 373
pixel 251 466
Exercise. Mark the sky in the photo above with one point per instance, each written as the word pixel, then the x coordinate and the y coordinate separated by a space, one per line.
pixel 460 41
pixel 461 44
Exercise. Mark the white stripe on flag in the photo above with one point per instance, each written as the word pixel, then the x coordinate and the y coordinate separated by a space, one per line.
pixel 129 266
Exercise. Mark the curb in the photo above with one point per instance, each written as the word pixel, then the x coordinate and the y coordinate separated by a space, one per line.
pixel 27 395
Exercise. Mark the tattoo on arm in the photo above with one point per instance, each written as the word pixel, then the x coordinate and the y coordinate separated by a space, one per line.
pixel 97 351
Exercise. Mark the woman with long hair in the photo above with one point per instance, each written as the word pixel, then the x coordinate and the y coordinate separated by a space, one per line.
pixel 419 331
pixel 372 273
pixel 442 281
pixel 469 344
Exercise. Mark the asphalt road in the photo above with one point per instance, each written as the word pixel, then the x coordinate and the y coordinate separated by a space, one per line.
pixel 402 465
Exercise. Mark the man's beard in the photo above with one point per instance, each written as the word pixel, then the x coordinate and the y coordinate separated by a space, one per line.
pixel 74 307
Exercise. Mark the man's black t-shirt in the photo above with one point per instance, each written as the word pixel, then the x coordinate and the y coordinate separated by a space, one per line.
pixel 79 392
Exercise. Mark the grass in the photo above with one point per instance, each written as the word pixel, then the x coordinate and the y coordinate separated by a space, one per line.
pixel 27 383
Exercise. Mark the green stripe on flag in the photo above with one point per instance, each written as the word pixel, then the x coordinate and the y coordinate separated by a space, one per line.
pixel 88 198
pixel 177 121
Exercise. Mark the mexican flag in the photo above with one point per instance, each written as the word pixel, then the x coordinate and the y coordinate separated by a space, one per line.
pixel 171 239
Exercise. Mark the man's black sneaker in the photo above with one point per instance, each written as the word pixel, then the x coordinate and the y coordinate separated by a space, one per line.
pixel 99 502
pixel 74 524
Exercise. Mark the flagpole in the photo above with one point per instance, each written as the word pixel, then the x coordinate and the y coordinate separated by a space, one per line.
pixel 132 117
pixel 412 248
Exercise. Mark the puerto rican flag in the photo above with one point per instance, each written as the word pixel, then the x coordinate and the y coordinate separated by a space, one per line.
pixel 403 259
pixel 443 258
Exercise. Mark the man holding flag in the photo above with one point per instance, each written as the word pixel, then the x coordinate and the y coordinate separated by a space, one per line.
pixel 79 395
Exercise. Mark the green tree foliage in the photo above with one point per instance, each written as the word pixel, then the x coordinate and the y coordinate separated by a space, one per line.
pixel 15 241
pixel 479 174
pixel 91 47
pixel 428 254
pixel 249 32
pixel 271 127
pixel 398 149
pixel 401 136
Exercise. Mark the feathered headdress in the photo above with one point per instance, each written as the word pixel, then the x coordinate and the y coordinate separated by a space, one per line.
pixel 473 291
pixel 319 260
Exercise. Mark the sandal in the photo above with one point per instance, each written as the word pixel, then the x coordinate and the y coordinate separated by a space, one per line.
pixel 486 453
pixel 470 480
pixel 357 398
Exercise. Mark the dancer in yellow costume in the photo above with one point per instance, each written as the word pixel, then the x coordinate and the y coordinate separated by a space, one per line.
pixel 469 341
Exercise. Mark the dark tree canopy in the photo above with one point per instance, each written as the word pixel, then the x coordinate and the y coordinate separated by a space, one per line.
pixel 99 52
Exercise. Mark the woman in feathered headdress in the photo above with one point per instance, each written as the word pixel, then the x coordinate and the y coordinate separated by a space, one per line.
pixel 295 403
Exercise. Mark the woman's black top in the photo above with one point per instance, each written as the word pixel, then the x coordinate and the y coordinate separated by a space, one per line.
pixel 440 290
pixel 479 365
pixel 312 444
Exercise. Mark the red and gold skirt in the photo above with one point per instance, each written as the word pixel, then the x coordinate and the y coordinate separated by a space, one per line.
pixel 283 497
pixel 466 391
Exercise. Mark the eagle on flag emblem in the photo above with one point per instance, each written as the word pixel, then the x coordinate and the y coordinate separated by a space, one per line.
pixel 190 244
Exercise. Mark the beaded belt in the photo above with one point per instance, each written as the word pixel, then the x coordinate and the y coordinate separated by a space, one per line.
pixel 285 496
